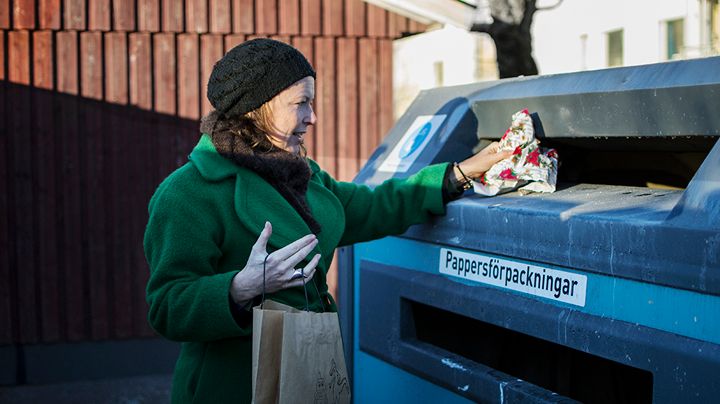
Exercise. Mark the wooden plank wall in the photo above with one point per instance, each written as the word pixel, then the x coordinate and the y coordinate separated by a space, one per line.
pixel 100 100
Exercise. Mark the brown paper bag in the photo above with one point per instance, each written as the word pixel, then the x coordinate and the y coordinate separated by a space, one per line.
pixel 297 356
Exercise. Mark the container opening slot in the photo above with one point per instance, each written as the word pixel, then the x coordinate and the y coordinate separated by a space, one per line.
pixel 560 369
pixel 653 162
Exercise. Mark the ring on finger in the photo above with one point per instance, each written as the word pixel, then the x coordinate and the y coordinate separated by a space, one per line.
pixel 297 275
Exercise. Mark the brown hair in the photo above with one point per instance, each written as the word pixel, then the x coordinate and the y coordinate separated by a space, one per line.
pixel 261 118
pixel 253 128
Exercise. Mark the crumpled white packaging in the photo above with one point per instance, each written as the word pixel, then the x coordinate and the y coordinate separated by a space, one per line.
pixel 530 168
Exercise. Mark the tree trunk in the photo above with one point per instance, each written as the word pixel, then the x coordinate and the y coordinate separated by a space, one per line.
pixel 513 41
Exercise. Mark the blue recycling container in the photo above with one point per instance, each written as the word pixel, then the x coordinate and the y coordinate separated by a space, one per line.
pixel 607 290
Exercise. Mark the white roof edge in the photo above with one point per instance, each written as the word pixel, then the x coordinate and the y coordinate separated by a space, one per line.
pixel 446 12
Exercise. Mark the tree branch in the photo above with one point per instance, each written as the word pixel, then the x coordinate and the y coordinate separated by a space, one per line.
pixel 556 5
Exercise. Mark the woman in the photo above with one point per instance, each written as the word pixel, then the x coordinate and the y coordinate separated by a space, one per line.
pixel 249 198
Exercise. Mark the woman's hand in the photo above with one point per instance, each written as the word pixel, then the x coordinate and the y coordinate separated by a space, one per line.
pixel 280 271
pixel 477 165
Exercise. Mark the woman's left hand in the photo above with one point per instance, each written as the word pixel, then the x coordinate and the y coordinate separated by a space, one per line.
pixel 274 271
pixel 475 166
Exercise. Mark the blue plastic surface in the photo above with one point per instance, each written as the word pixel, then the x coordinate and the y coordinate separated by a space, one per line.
pixel 651 257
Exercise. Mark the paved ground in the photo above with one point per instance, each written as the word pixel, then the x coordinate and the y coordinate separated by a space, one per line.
pixel 135 390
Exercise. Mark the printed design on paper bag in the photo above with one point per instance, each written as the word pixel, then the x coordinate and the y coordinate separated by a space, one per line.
pixel 550 283
pixel 412 143
pixel 529 169
pixel 334 390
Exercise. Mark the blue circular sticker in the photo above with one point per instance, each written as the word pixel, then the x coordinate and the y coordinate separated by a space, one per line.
pixel 412 144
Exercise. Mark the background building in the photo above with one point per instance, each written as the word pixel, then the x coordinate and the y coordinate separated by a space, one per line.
pixel 587 35
pixel 576 35
pixel 443 56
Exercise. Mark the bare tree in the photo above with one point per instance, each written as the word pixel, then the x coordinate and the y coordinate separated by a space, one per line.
pixel 508 24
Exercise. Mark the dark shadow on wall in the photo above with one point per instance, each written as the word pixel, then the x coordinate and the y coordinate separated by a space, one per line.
pixel 75 178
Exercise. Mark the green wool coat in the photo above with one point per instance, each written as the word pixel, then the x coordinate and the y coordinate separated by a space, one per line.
pixel 204 219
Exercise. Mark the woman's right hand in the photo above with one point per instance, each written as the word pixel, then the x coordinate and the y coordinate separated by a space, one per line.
pixel 475 166
pixel 279 267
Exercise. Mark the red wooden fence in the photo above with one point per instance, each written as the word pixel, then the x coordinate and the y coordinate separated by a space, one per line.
pixel 100 100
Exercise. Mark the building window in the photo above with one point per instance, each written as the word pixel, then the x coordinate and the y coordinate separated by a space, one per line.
pixel 583 51
pixel 675 38
pixel 485 59
pixel 615 48
pixel 714 27
pixel 439 73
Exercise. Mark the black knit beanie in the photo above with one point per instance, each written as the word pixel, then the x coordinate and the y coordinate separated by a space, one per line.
pixel 254 72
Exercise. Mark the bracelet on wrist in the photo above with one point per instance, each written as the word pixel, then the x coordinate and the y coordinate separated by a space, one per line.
pixel 466 182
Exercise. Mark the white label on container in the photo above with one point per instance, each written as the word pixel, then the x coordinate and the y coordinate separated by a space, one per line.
pixel 553 284
pixel 412 143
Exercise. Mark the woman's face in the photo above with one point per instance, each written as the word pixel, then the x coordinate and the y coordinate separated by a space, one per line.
pixel 291 115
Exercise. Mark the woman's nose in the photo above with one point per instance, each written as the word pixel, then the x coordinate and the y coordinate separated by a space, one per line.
pixel 312 118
